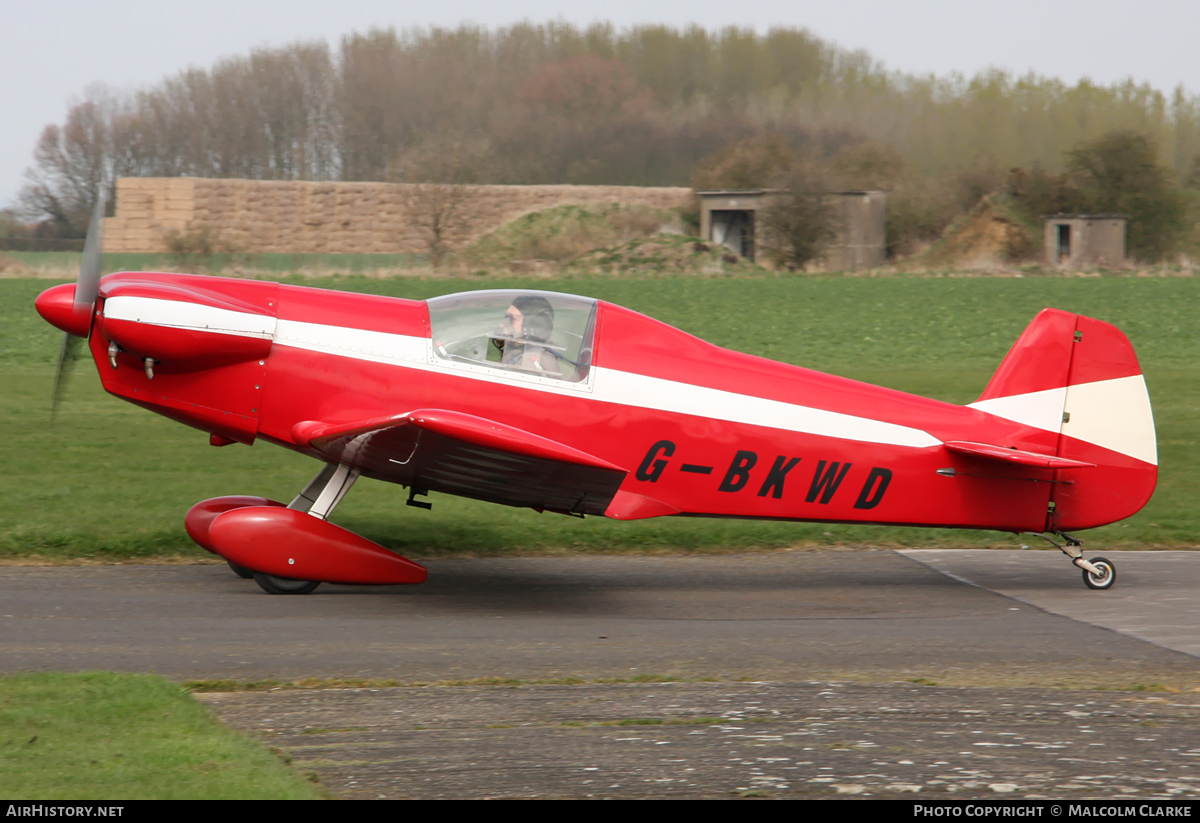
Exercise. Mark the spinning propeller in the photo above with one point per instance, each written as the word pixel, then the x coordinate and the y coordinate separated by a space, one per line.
pixel 86 289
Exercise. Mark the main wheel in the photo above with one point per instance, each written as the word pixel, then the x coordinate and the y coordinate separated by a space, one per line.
pixel 240 571
pixel 1104 580
pixel 283 585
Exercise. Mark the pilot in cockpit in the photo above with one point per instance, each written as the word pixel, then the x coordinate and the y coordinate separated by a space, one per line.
pixel 523 341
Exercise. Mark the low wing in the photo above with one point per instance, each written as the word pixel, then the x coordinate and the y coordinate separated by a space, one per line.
pixel 1020 458
pixel 461 454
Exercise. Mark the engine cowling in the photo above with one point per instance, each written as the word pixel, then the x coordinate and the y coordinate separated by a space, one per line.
pixel 184 326
pixel 191 348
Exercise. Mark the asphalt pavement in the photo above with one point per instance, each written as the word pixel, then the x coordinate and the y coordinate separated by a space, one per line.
pixel 874 615
pixel 931 674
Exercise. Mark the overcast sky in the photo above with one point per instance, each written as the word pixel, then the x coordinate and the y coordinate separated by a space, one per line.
pixel 53 49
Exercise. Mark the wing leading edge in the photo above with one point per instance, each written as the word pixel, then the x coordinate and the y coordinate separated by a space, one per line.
pixel 456 453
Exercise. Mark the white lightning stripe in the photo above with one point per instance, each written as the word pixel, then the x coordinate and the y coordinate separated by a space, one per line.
pixel 381 347
pixel 1040 409
pixel 193 316
pixel 684 398
pixel 606 385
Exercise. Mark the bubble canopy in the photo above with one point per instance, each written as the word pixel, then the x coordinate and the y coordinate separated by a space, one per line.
pixel 544 333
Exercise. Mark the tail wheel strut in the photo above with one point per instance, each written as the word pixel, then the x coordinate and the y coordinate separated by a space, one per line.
pixel 1098 573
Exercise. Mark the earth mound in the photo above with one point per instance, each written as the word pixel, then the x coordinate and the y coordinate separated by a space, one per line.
pixel 550 238
pixel 989 236
pixel 664 254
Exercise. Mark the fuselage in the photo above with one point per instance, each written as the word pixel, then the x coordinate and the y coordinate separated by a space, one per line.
pixel 702 430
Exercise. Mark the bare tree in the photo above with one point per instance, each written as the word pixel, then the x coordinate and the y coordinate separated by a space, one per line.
pixel 802 219
pixel 70 162
pixel 640 106
pixel 437 178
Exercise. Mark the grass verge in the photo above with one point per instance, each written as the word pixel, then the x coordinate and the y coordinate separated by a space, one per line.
pixel 108 736
pixel 957 678
pixel 316 683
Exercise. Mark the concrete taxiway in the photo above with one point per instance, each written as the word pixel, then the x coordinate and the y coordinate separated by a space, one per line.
pixel 1156 596
pixel 787 740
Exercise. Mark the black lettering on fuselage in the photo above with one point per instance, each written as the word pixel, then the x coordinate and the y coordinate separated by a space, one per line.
pixel 776 476
pixel 825 483
pixel 652 465
pixel 739 472
pixel 873 489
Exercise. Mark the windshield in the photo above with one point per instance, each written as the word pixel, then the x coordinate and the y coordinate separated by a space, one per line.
pixel 537 332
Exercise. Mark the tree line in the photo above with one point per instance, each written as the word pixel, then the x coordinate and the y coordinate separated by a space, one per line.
pixel 554 103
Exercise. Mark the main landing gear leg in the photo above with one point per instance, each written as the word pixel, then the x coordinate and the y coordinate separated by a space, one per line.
pixel 1098 573
pixel 322 494
pixel 319 498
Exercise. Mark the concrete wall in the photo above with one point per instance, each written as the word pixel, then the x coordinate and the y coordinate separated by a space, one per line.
pixel 302 217
pixel 861 241
pixel 1095 239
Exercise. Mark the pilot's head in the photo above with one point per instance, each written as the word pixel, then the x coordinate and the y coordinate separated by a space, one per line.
pixel 531 317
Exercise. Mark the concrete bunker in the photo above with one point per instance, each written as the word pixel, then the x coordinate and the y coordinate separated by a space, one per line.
pixel 731 219
pixel 1074 240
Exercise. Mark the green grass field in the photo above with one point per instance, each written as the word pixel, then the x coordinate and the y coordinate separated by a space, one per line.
pixel 109 481
pixel 101 736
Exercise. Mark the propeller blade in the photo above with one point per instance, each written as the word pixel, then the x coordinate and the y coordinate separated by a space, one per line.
pixel 67 355
pixel 88 285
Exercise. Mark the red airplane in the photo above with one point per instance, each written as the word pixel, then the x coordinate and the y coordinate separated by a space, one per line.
pixel 567 404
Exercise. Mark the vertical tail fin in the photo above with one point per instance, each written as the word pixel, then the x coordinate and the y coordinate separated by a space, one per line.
pixel 1079 377
pixel 1030 386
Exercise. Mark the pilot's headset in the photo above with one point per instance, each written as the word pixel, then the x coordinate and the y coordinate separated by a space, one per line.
pixel 537 324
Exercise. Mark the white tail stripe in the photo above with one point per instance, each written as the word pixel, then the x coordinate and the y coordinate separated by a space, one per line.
pixel 1113 414
pixel 1040 409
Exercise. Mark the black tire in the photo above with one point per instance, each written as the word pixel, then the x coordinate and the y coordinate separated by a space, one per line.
pixel 240 571
pixel 1105 582
pixel 283 585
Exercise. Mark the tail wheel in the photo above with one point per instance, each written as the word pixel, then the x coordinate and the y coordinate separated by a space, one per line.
pixel 1105 579
pixel 283 585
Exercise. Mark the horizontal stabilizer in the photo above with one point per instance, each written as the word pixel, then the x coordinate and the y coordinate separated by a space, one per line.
pixel 1022 458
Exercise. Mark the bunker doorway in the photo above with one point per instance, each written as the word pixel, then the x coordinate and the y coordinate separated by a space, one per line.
pixel 734 229
pixel 1064 242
